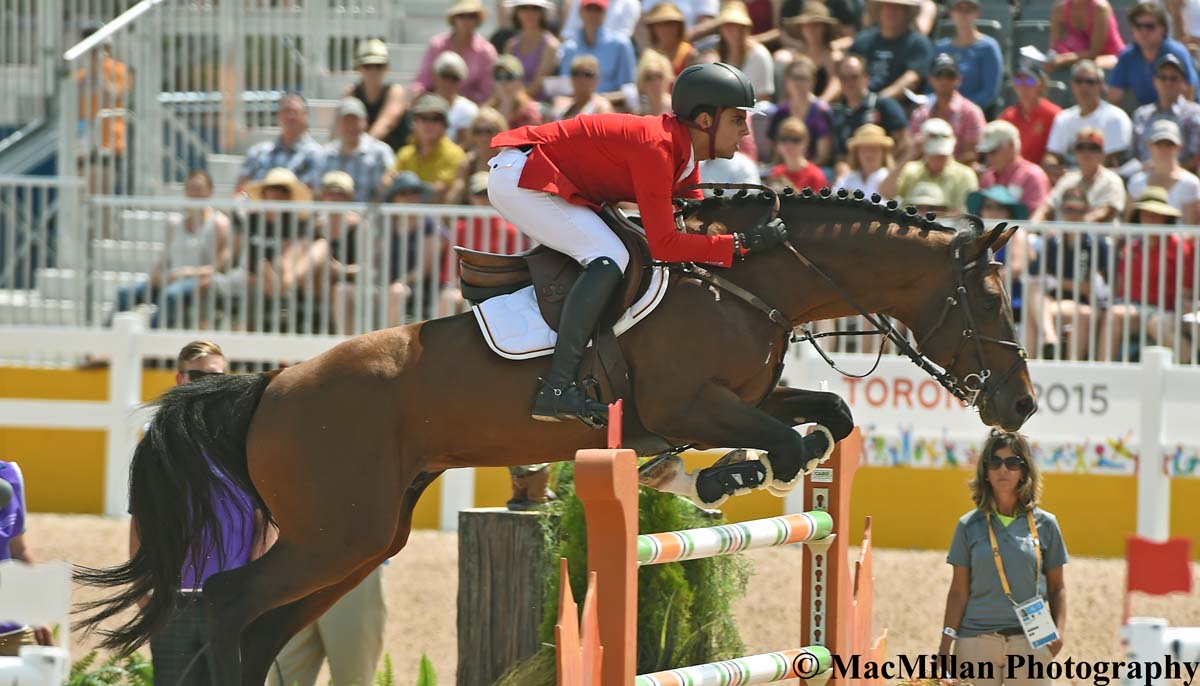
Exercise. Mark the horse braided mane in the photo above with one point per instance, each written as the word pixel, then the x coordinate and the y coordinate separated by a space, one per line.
pixel 965 231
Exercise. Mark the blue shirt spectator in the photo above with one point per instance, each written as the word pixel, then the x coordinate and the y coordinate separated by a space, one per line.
pixel 980 66
pixel 897 55
pixel 618 65
pixel 1135 63
pixel 294 149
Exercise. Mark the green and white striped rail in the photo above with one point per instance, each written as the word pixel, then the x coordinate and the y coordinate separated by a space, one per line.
pixel 694 544
pixel 812 664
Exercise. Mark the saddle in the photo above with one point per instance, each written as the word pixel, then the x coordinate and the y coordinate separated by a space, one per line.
pixel 486 275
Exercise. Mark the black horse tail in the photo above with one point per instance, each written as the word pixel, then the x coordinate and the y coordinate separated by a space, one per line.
pixel 174 492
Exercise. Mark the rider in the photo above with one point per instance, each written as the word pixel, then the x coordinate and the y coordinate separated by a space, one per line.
pixel 549 180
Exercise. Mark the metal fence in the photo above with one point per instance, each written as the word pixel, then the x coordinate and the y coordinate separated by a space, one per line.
pixel 1080 292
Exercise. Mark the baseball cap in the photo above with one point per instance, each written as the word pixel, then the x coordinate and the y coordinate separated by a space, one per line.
pixel 431 103
pixel 337 180
pixel 928 194
pixel 602 4
pixel 944 63
pixel 405 183
pixel 939 137
pixel 373 51
pixel 995 134
pixel 352 105
pixel 1165 130
pixel 1090 135
pixel 1170 60
pixel 450 63
pixel 1030 67
pixel 1075 198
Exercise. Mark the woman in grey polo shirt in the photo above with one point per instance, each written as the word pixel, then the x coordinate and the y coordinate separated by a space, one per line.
pixel 981 623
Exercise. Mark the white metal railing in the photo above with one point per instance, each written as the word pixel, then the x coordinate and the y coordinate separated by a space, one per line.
pixel 326 268
pixel 168 83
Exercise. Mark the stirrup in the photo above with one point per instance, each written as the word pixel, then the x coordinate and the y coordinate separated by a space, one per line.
pixel 548 406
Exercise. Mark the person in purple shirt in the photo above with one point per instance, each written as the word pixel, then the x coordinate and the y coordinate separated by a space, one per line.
pixel 13 547
pixel 243 539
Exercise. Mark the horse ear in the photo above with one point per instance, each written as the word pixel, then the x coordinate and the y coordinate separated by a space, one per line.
pixel 1003 233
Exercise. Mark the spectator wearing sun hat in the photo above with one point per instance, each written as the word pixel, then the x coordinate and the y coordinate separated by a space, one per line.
pixel 694 11
pixel 1170 83
pixel 870 159
pixel 1104 188
pixel 736 47
pixel 1001 144
pixel 354 151
pixel 948 104
pixel 613 51
pixel 464 16
pixel 896 53
pixel 668 35
pixel 1032 113
pixel 931 158
pixel 535 47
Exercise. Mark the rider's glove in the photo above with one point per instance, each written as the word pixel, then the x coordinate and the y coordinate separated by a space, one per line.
pixel 760 238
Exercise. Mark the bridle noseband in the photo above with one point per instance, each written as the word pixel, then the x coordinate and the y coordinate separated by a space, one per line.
pixel 973 390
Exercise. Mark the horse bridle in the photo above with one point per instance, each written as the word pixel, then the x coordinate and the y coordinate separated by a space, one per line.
pixel 970 390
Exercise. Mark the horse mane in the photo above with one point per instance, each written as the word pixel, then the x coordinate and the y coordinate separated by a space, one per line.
pixel 966 228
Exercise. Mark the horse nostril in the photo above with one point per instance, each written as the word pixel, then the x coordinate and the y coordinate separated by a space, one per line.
pixel 1026 406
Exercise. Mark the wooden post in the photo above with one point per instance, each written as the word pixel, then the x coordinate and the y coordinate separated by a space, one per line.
pixel 501 589
pixel 826 609
pixel 606 482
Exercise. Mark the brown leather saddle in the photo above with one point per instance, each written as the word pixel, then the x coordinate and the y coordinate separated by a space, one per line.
pixel 485 275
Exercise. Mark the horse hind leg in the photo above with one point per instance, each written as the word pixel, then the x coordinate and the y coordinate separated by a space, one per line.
pixel 269 633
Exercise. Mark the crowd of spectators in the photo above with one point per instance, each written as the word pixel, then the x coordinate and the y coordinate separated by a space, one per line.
pixel 850 96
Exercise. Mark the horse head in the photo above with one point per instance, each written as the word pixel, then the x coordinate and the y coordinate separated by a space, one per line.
pixel 967 327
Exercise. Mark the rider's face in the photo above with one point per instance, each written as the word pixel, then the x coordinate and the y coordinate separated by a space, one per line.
pixel 734 126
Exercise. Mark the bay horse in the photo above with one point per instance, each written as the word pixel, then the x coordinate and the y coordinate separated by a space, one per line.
pixel 337 450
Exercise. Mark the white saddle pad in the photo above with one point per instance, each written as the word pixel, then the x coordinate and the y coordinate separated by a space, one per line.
pixel 514 328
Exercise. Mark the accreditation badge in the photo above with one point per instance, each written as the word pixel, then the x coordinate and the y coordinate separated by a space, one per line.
pixel 1035 619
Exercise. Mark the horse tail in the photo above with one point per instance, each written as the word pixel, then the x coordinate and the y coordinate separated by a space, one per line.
pixel 174 492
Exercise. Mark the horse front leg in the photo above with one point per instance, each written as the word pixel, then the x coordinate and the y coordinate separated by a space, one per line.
pixel 714 415
pixel 799 406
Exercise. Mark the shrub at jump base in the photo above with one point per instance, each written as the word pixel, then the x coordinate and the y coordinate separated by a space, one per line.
pixel 685 609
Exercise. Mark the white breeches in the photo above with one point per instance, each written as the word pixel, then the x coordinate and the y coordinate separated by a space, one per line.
pixel 548 219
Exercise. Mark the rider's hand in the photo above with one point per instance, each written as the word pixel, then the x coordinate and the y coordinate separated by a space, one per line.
pixel 762 237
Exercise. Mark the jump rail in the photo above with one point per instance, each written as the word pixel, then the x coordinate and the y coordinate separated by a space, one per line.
pixel 836 616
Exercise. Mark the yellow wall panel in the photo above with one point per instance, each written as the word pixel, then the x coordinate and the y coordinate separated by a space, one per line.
pixel 64 470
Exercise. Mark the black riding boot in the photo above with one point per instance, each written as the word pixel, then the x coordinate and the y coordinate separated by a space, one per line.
pixel 560 398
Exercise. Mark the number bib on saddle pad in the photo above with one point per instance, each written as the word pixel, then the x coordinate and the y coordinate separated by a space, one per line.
pixel 513 327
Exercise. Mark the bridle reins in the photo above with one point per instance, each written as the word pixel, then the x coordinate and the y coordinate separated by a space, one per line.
pixel 970 390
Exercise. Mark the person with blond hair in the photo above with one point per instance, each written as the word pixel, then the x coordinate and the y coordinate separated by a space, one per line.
pixel 585 75
pixel 486 125
pixel 736 47
pixel 1005 551
pixel 795 170
pixel 870 159
pixel 655 76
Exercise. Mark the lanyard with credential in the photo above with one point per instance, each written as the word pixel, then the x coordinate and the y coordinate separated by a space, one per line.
pixel 1037 549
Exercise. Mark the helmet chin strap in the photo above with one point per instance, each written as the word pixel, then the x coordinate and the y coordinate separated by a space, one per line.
pixel 711 130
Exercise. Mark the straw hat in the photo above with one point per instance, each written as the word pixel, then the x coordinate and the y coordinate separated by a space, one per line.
pixel 813 13
pixel 466 7
pixel 279 176
pixel 1154 199
pixel 870 134
pixel 734 12
pixel 338 180
pixel 663 12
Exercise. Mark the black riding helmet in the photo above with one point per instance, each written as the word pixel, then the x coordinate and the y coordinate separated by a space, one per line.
pixel 716 85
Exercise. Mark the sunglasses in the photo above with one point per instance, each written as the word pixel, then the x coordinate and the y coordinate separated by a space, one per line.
pixel 430 117
pixel 652 76
pixel 1011 463
pixel 197 374
pixel 485 131
pixel 792 139
pixel 946 74
pixel 1086 82
pixel 1144 26
pixel 504 77
pixel 1087 147
pixel 450 77
pixel 1025 81
pixel 582 74
pixel 1170 78
pixel 372 67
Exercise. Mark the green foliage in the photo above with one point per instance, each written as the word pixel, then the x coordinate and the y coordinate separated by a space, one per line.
pixel 387 675
pixel 425 674
pixel 117 670
pixel 685 609
pixel 539 670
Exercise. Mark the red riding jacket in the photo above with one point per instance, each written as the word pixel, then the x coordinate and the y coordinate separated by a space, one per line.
pixel 609 158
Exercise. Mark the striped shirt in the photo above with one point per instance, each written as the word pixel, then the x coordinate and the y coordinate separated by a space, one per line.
pixel 366 164
pixel 303 158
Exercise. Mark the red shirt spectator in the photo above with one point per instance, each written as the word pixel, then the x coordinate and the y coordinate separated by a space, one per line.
pixel 1034 127
pixel 1180 253
pixel 810 175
